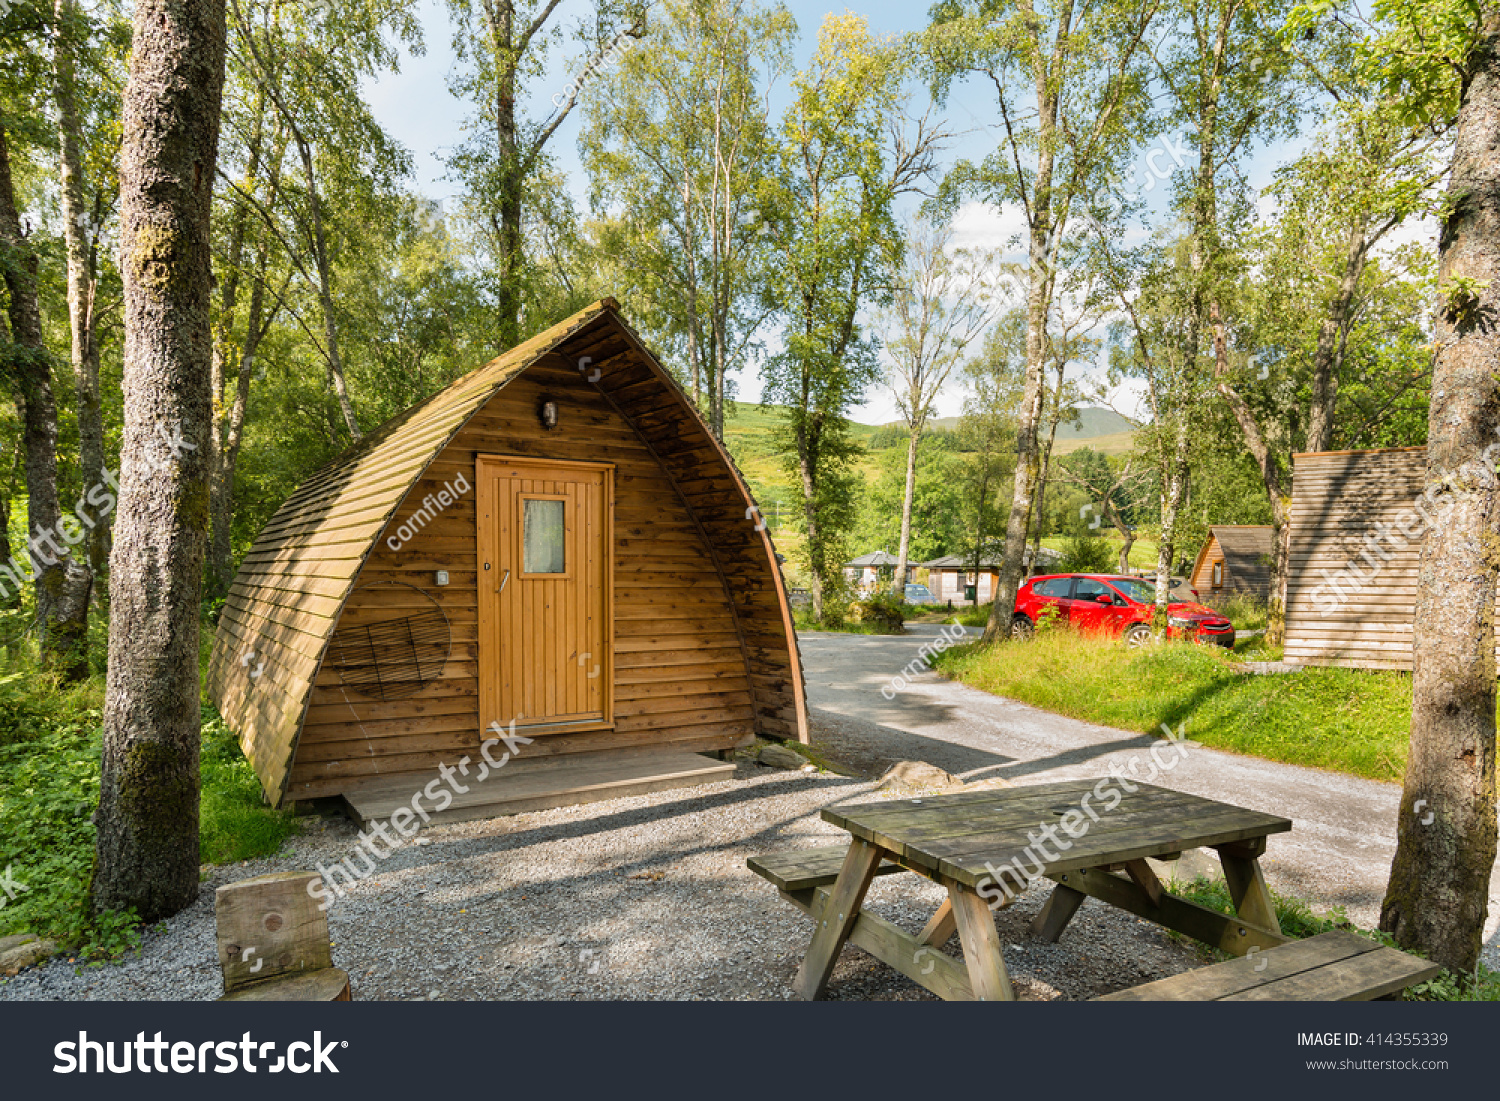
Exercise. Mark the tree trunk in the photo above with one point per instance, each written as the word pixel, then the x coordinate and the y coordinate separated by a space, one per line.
pixel 222 552
pixel 10 594
pixel 813 534
pixel 1040 245
pixel 1040 517
pixel 62 586
pixel 1331 334
pixel 147 846
pixel 325 293
pixel 81 281
pixel 1171 504
pixel 1271 476
pixel 898 586
pixel 1437 897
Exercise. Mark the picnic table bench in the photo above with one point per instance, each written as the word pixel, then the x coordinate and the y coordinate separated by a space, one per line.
pixel 987 847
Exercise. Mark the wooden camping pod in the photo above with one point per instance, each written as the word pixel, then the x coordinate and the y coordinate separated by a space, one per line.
pixel 662 621
pixel 1236 558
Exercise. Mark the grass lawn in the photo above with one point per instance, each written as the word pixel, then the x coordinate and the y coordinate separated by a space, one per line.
pixel 1343 719
pixel 49 787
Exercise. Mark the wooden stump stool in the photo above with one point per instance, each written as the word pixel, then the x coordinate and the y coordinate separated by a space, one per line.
pixel 273 942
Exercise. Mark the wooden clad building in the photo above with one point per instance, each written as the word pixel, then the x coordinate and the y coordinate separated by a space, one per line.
pixel 1358 520
pixel 555 539
pixel 1236 558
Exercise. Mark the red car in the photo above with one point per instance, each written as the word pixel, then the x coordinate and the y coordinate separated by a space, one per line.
pixel 1115 606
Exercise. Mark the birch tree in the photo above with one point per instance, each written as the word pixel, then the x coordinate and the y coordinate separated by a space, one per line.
pixel 942 300
pixel 1070 84
pixel 848 150
pixel 676 144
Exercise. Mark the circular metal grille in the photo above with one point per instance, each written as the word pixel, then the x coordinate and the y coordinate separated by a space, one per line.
pixel 392 641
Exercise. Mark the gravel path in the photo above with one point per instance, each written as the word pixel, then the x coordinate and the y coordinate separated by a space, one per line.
pixel 643 898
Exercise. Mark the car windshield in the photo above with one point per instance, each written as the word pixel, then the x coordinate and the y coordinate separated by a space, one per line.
pixel 1141 592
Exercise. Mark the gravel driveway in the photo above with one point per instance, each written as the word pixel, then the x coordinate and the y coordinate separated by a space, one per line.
pixel 649 897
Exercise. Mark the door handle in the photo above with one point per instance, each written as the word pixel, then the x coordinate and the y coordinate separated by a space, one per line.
pixel 503 580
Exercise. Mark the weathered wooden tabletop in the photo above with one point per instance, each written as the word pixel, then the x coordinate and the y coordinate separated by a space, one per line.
pixel 960 837
pixel 1075 832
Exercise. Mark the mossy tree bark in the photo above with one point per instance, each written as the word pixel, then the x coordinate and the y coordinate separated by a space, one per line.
pixel 147 820
pixel 1437 897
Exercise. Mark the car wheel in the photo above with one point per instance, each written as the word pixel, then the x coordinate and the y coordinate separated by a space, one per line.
pixel 1021 628
pixel 1137 635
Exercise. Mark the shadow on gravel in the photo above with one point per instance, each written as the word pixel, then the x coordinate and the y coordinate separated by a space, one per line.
pixel 440 852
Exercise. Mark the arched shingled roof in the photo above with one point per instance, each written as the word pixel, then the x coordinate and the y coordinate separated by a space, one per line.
pixel 285 602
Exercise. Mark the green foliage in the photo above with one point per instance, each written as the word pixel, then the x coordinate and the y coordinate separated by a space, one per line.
pixel 1422 54
pixel 937 505
pixel 976 616
pixel 234 821
pixel 880 611
pixel 1246 611
pixel 49 787
pixel 827 204
pixel 1343 719
pixel 1086 553
pixel 1461 300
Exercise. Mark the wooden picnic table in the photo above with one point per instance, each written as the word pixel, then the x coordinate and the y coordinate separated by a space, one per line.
pixel 987 847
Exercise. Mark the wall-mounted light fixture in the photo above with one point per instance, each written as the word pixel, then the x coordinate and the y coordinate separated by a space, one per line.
pixel 547 413
pixel 442 577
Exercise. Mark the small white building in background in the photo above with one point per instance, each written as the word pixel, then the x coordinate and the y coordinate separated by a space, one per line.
pixel 948 578
pixel 874 570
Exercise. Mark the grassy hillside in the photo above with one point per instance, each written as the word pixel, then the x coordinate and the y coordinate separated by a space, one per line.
pixel 1116 443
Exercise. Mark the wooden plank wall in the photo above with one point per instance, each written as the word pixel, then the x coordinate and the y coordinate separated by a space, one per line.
pixel 737 538
pixel 1338 499
pixel 1202 579
pixel 681 678
pixel 285 600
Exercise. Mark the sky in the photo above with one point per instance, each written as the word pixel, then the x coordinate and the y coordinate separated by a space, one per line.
pixel 416 108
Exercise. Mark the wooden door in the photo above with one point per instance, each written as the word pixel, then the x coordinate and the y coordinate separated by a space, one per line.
pixel 545 575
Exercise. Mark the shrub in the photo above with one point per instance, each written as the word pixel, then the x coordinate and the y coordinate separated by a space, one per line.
pixel 882 611
pixel 1086 554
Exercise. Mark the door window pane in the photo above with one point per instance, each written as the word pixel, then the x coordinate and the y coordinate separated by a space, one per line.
pixel 543 537
pixel 1088 589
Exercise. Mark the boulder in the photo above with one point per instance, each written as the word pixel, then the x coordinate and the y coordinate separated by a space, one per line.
pixel 779 756
pixel 919 776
